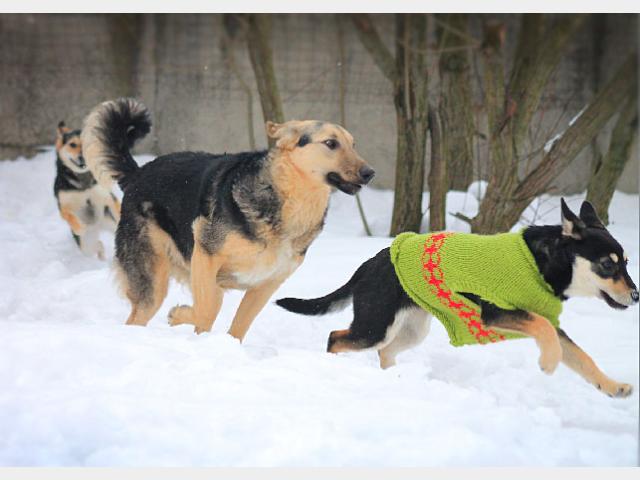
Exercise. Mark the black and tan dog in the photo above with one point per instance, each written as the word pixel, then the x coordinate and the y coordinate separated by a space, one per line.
pixel 86 206
pixel 241 221
pixel 579 258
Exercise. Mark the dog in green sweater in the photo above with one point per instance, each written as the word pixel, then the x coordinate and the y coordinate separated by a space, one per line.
pixel 484 289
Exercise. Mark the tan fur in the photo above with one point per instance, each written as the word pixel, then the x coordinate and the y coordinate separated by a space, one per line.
pixel 618 288
pixel 72 205
pixel 74 222
pixel 252 303
pixel 141 312
pixel 576 359
pixel 341 344
pixel 545 335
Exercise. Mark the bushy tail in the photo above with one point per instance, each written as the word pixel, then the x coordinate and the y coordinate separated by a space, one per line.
pixel 332 302
pixel 108 134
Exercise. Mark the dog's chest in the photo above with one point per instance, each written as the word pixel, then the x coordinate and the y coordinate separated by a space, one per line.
pixel 248 265
pixel 88 205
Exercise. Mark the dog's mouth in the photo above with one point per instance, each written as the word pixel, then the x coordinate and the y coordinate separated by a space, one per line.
pixel 351 188
pixel 611 302
pixel 79 162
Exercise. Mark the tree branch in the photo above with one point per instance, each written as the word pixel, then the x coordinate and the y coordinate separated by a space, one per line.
pixel 538 54
pixel 373 43
pixel 577 136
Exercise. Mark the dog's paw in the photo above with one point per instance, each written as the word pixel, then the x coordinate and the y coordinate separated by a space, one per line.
pixel 100 251
pixel 198 329
pixel 181 314
pixel 550 358
pixel 616 390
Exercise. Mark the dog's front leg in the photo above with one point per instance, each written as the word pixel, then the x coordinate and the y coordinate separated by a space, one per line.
pixel 538 327
pixel 77 227
pixel 207 295
pixel 578 361
pixel 252 303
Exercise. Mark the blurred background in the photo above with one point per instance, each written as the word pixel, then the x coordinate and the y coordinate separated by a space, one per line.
pixel 529 103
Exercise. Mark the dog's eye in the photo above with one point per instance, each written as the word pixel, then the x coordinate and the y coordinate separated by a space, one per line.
pixel 608 265
pixel 331 143
pixel 73 144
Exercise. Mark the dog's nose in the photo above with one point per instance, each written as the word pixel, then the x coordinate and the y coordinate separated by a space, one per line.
pixel 366 174
pixel 634 295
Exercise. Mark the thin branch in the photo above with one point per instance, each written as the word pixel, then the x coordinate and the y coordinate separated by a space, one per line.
pixel 460 33
pixel 578 135
pixel 342 61
pixel 461 216
pixel 374 44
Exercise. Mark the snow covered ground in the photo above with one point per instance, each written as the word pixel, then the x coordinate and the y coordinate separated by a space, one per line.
pixel 78 387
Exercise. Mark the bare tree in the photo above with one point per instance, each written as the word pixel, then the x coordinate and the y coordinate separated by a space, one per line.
pixel 608 170
pixel 260 53
pixel 456 110
pixel 408 74
pixel 510 108
pixel 438 185
pixel 231 26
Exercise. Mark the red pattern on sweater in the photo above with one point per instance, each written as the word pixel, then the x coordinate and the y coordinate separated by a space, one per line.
pixel 434 276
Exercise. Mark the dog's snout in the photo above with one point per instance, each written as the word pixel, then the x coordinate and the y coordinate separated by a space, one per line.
pixel 634 295
pixel 366 174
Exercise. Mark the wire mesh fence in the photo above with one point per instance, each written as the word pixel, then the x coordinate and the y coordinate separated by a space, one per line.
pixel 58 66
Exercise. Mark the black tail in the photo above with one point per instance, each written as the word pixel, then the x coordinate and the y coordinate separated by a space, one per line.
pixel 109 133
pixel 332 302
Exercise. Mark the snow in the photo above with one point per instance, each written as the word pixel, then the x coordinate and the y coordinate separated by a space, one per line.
pixel 551 142
pixel 79 388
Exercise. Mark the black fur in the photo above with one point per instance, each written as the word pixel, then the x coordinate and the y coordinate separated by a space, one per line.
pixel 121 127
pixel 177 188
pixel 377 297
pixel 553 254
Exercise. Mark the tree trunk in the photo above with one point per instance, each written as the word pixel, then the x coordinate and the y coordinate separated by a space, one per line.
pixel 437 175
pixel 410 100
pixel 564 150
pixel 603 182
pixel 503 174
pixel 456 112
pixel 124 30
pixel 231 24
pixel 603 106
pixel 259 45
pixel 409 76
pixel 510 110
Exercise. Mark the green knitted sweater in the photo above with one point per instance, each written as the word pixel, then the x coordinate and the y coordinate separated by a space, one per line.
pixel 435 268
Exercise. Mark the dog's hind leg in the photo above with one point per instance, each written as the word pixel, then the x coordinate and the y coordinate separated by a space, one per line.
pixel 379 311
pixel 577 360
pixel 207 295
pixel 143 268
pixel 415 327
pixel 147 290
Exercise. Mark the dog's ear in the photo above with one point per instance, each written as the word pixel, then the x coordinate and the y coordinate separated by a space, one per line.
pixel 272 128
pixel 62 128
pixel 572 226
pixel 286 134
pixel 589 216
